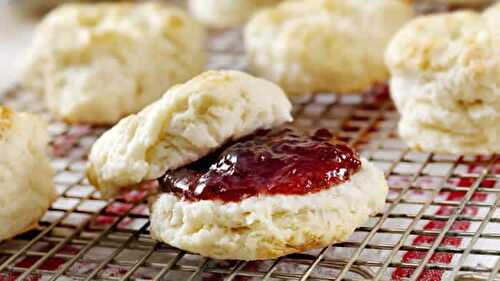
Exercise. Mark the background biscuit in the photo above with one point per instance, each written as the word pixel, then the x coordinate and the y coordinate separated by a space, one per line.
pixel 446 83
pixel 324 45
pixel 99 62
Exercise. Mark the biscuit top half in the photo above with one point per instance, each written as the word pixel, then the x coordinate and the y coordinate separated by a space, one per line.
pixel 296 9
pixel 188 122
pixel 17 126
pixel 128 17
pixel 438 43
pixel 76 27
pixel 366 16
pixel 75 35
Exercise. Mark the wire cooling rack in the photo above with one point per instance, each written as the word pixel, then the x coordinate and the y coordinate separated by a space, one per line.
pixel 441 221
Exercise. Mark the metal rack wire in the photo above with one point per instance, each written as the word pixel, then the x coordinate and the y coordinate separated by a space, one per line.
pixel 441 222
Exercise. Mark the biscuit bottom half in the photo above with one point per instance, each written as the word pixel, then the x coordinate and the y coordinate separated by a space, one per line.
pixel 269 226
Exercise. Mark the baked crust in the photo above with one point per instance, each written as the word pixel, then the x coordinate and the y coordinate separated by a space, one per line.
pixel 97 63
pixel 187 123
pixel 269 226
pixel 446 83
pixel 324 45
pixel 26 188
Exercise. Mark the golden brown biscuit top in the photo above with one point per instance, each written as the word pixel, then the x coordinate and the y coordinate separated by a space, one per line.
pixel 6 116
pixel 437 43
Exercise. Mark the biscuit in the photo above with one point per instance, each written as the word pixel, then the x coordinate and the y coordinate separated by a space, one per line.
pixel 324 45
pixel 26 188
pixel 187 123
pixel 446 83
pixel 226 13
pixel 99 62
pixel 269 226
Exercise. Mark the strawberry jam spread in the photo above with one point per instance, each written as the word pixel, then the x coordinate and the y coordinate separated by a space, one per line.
pixel 267 162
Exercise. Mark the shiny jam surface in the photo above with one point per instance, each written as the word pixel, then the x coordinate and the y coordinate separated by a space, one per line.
pixel 267 162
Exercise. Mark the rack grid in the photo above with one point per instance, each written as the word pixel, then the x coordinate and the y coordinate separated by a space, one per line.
pixel 441 221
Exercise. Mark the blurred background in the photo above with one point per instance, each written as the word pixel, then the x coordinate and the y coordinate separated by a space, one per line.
pixel 19 17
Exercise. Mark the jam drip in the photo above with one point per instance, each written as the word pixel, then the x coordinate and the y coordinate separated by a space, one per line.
pixel 267 162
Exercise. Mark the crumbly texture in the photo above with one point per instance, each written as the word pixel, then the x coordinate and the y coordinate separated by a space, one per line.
pixel 226 13
pixel 187 123
pixel 26 188
pixel 446 83
pixel 96 63
pixel 324 45
pixel 269 226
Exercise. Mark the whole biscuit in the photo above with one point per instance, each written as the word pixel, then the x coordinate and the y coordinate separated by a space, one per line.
pixel 97 63
pixel 446 83
pixel 324 45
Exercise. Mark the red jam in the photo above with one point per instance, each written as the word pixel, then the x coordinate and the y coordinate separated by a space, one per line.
pixel 268 162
